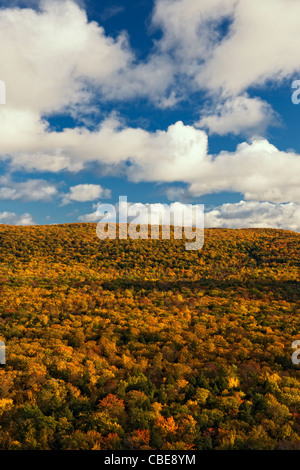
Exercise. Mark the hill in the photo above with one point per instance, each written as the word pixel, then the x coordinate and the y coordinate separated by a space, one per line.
pixel 138 344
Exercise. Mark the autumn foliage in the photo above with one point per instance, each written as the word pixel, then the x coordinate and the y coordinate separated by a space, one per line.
pixel 140 344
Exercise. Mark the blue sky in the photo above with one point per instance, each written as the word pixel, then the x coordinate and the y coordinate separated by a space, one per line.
pixel 162 101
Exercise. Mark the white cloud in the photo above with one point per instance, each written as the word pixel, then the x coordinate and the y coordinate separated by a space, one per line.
pixel 226 47
pixel 245 214
pixel 252 214
pixel 163 155
pixel 176 213
pixel 92 217
pixel 86 192
pixel 261 42
pixel 72 56
pixel 262 46
pixel 53 53
pixel 172 155
pixel 258 170
pixel 238 115
pixel 55 60
pixel 189 29
pixel 63 59
pixel 30 190
pixel 174 193
pixel 10 218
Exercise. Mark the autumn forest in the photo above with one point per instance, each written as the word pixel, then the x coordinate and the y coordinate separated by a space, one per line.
pixel 140 344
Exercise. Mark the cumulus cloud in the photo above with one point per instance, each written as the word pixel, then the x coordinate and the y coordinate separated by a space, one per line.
pixel 67 57
pixel 92 217
pixel 252 214
pixel 86 192
pixel 230 45
pixel 55 60
pixel 177 214
pixel 56 50
pixel 167 156
pixel 190 28
pixel 30 190
pixel 258 170
pixel 10 218
pixel 161 155
pixel 64 61
pixel 245 214
pixel 174 193
pixel 61 59
pixel 238 115
pixel 261 46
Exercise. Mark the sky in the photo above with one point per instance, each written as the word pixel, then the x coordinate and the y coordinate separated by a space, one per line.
pixel 186 101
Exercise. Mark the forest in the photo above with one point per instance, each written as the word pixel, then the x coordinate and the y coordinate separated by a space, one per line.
pixel 140 344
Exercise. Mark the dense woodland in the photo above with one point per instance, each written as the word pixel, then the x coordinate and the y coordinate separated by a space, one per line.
pixel 140 344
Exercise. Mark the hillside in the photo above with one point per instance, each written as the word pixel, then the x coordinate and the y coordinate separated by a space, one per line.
pixel 142 344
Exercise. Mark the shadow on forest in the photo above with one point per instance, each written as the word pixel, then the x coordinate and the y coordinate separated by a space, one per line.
pixel 289 290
